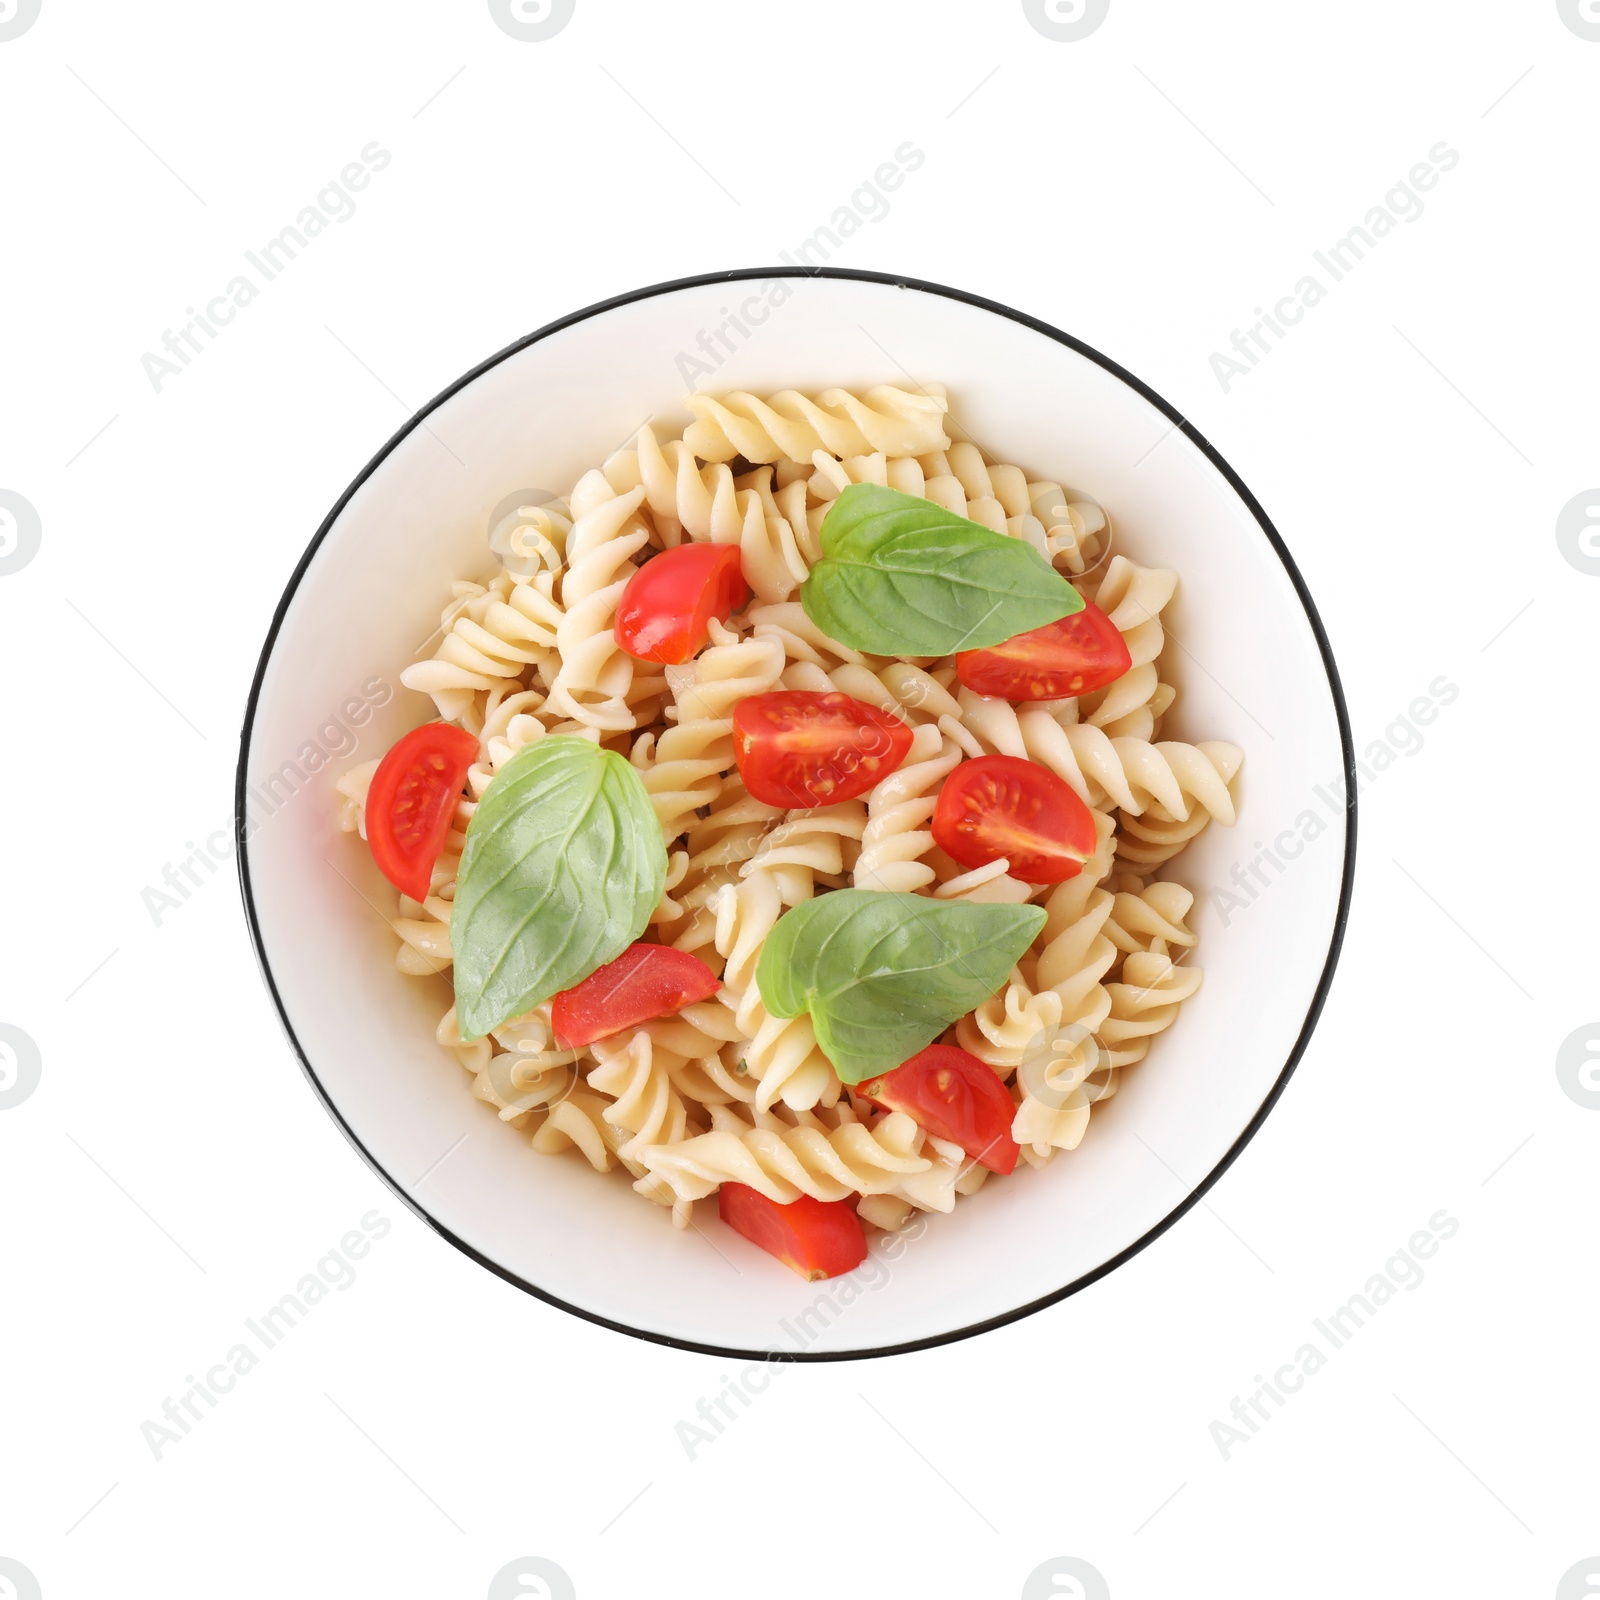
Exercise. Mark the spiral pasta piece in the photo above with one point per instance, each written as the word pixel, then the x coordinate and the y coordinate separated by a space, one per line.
pixel 425 949
pixel 1133 597
pixel 899 809
pixel 492 638
pixel 532 539
pixel 784 1163
pixel 731 832
pixel 645 1105
pixel 746 912
pixel 519 1086
pixel 729 669
pixel 1010 1026
pixel 1133 706
pixel 524 1069
pixel 579 1123
pixel 810 846
pixel 1065 1071
pixel 683 498
pixel 1148 840
pixel 1063 993
pixel 1068 901
pixel 793 536
pixel 717 845
pixel 682 768
pixel 951 1171
pixel 790 424
pixel 351 787
pixel 782 1054
pixel 1078 533
pixel 1055 1095
pixel 1131 774
pixel 1145 1001
pixel 591 684
pixel 518 1068
pixel 1156 911
pixel 510 721
pixel 1072 963
pixel 700 1048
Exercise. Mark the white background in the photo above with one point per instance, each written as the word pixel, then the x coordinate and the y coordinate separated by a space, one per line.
pixel 1414 439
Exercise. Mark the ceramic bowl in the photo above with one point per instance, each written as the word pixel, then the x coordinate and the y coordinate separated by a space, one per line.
pixel 1245 648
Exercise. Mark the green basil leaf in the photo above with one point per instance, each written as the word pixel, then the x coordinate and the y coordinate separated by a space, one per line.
pixel 563 865
pixel 900 576
pixel 883 975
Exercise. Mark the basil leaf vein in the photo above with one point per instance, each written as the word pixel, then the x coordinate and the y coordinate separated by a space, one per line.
pixel 563 865
pixel 883 975
pixel 901 576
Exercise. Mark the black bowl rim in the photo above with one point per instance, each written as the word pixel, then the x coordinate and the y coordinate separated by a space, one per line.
pixel 892 280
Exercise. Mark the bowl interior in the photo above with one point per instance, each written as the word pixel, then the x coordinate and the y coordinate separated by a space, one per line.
pixel 1241 649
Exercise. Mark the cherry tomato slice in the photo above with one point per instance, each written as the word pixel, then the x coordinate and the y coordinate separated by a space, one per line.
pixel 412 799
pixel 816 1238
pixel 954 1096
pixel 645 981
pixel 665 612
pixel 801 747
pixel 1073 655
pixel 997 806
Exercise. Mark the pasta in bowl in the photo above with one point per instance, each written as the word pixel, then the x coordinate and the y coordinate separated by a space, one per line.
pixel 797 835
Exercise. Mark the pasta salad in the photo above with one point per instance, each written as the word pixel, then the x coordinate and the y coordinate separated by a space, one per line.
pixel 793 825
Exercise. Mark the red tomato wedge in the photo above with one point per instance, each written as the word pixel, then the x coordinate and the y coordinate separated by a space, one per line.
pixel 816 1238
pixel 998 806
pixel 954 1096
pixel 412 799
pixel 665 612
pixel 801 748
pixel 1074 655
pixel 645 981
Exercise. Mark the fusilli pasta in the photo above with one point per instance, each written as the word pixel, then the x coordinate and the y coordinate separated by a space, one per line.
pixel 811 1157
pixel 793 426
pixel 723 1091
pixel 594 676
pixel 683 766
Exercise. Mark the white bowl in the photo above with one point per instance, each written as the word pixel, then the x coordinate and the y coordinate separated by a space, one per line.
pixel 1251 660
